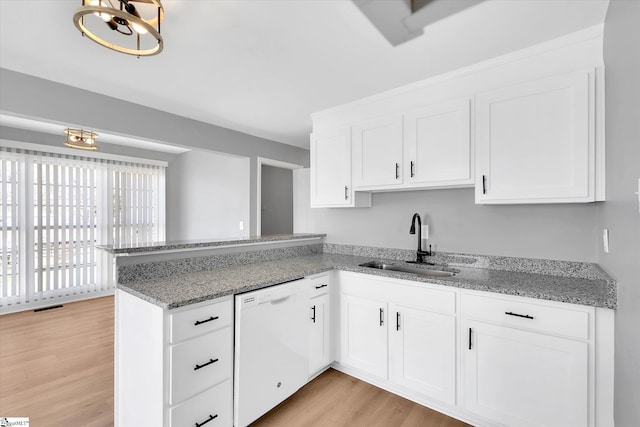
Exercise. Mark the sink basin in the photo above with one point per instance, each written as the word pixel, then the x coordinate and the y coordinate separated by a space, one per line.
pixel 407 269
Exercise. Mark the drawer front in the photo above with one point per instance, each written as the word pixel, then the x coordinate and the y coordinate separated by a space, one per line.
pixel 215 404
pixel 418 295
pixel 199 363
pixel 319 285
pixel 201 320
pixel 539 317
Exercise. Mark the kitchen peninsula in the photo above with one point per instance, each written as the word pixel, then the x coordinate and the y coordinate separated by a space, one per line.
pixel 519 305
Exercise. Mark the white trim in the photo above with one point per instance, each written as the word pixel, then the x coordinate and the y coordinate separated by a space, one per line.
pixel 269 162
pixel 581 36
pixel 76 153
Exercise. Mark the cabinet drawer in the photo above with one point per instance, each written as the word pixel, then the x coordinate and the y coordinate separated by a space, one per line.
pixel 539 317
pixel 199 363
pixel 197 321
pixel 214 404
pixel 319 285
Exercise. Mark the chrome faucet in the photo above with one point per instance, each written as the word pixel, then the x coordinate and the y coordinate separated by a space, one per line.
pixel 420 254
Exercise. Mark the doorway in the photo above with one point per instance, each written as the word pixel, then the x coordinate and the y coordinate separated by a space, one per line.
pixel 275 197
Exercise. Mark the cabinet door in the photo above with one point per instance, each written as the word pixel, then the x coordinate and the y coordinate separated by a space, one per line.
pixel 377 153
pixel 438 145
pixel 522 378
pixel 535 142
pixel 319 334
pixel 423 352
pixel 331 169
pixel 364 334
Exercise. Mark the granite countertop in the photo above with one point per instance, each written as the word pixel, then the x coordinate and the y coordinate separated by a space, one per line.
pixel 596 290
pixel 178 245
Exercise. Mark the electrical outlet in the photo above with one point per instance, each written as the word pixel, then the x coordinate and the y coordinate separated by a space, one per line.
pixel 605 240
pixel 241 226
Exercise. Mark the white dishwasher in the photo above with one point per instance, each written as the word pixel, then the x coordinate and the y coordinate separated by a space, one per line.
pixel 271 356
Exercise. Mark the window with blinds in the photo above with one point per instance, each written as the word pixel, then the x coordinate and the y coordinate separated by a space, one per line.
pixel 56 208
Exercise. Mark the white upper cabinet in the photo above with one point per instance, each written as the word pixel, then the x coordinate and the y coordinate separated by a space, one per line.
pixel 331 170
pixel 526 127
pixel 535 142
pixel 377 153
pixel 437 145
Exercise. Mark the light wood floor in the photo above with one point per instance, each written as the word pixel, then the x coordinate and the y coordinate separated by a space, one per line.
pixel 336 399
pixel 56 367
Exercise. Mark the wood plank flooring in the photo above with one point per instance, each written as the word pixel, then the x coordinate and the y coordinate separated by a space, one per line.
pixel 339 400
pixel 56 367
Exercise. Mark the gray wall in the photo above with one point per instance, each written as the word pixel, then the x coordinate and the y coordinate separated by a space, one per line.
pixel 620 212
pixel 36 98
pixel 277 200
pixel 457 224
pixel 207 196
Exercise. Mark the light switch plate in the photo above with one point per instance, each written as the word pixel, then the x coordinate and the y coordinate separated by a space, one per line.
pixel 605 240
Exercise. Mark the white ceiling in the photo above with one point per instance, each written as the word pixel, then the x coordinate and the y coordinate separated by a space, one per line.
pixel 263 66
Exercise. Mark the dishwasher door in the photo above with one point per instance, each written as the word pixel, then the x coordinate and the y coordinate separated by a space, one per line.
pixel 270 350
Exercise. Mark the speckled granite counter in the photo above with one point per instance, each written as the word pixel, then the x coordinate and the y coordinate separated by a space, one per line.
pixel 181 245
pixel 588 285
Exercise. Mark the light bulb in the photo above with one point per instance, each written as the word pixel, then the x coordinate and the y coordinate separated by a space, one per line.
pixel 104 16
pixel 139 28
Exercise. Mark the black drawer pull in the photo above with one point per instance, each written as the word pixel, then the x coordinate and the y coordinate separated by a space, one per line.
pixel 381 317
pixel 324 285
pixel 470 332
pixel 314 314
pixel 526 316
pixel 397 321
pixel 205 364
pixel 210 319
pixel 211 418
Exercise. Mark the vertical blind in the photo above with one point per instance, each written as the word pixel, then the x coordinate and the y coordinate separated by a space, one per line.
pixel 56 208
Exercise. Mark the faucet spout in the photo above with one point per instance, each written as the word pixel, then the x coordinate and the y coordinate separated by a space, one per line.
pixel 420 254
pixel 412 230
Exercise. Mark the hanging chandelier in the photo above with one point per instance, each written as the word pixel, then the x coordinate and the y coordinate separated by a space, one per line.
pixel 80 138
pixel 127 26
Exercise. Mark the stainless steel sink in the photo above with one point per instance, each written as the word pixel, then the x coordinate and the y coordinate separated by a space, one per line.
pixel 408 269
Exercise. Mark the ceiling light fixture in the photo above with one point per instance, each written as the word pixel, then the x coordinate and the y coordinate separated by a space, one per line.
pixel 125 25
pixel 80 138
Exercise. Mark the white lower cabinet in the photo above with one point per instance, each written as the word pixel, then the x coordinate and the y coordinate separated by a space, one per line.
pixel 423 352
pixel 319 333
pixel 523 378
pixel 527 362
pixel 173 368
pixel 487 359
pixel 320 354
pixel 364 334
pixel 406 334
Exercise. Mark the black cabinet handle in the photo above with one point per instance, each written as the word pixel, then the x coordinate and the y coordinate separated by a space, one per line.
pixel 314 314
pixel 205 364
pixel 469 338
pixel 211 418
pixel 412 173
pixel 397 321
pixel 210 319
pixel 526 316
pixel 324 285
pixel 484 184
pixel 381 317
pixel 346 192
pixel 397 170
